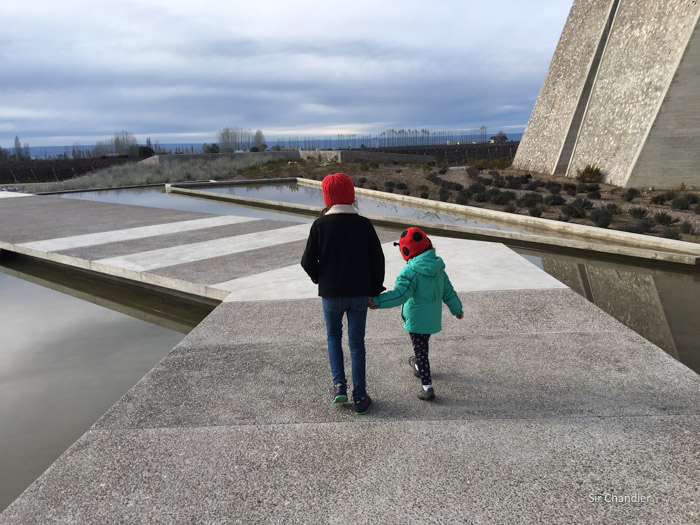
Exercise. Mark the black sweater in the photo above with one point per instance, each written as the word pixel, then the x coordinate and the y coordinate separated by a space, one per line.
pixel 344 256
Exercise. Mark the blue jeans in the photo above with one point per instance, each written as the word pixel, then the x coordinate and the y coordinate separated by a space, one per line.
pixel 356 310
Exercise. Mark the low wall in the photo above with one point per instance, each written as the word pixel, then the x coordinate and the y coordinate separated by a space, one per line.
pixel 576 237
pixel 323 155
pixel 253 157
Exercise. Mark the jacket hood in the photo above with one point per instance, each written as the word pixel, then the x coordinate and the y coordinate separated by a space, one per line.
pixel 427 263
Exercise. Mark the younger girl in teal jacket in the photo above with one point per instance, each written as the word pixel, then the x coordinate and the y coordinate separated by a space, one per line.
pixel 421 287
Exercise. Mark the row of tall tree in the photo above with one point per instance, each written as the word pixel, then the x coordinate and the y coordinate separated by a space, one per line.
pixel 235 139
pixel 20 152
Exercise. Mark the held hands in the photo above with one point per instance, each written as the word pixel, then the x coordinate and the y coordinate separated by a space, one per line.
pixel 372 305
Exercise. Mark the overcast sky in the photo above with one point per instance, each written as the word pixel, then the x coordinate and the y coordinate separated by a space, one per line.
pixel 179 71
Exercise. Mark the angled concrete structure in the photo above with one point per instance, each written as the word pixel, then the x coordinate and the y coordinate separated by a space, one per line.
pixel 622 93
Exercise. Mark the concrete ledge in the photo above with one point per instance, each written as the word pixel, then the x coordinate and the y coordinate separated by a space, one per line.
pixel 535 224
pixel 166 284
pixel 634 246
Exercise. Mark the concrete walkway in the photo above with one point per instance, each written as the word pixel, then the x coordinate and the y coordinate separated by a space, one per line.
pixel 548 409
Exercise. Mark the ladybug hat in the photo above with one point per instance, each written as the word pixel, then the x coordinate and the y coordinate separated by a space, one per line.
pixel 412 242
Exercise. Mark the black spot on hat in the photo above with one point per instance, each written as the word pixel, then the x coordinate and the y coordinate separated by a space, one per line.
pixel 403 234
pixel 405 251
pixel 417 236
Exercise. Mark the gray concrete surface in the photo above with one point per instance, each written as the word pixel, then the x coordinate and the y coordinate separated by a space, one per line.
pixel 621 93
pixel 547 410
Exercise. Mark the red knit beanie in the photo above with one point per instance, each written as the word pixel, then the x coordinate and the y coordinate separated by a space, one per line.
pixel 412 242
pixel 337 189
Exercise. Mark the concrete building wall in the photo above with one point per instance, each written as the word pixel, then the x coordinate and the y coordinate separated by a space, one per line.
pixel 647 40
pixel 561 92
pixel 671 153
pixel 635 112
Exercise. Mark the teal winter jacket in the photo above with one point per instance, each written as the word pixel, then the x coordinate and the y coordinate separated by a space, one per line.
pixel 421 287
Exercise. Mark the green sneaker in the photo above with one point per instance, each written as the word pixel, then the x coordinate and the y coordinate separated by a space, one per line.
pixel 361 406
pixel 339 393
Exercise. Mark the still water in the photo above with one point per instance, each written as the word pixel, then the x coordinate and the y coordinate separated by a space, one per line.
pixel 299 194
pixel 65 360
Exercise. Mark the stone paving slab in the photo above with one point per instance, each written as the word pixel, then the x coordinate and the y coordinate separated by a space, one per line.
pixel 476 472
pixel 130 234
pixel 486 312
pixel 170 240
pixel 500 375
pixel 47 217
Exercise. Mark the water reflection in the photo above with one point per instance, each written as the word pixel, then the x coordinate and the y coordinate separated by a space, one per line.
pixel 63 363
pixel 300 194
pixel 155 197
pixel 660 305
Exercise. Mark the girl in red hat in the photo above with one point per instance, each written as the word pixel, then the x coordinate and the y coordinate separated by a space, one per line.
pixel 421 287
pixel 344 257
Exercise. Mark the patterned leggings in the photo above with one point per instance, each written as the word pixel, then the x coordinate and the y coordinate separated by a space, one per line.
pixel 420 349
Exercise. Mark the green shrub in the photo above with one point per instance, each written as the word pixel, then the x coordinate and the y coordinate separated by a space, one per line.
pixel 576 208
pixel 587 188
pixel 481 197
pixel 564 218
pixel 631 194
pixel 661 198
pixel 514 184
pixel 362 180
pixel 462 198
pixel 401 186
pixel 424 194
pixel 613 208
pixel 680 203
pixel 697 209
pixel 528 200
pixel 570 189
pixel 663 218
pixel 503 197
pixel 601 217
pixel 638 213
pixel 406 192
pixel 686 228
pixel 535 211
pixel 553 188
pixel 554 200
pixel 693 198
pixel 389 184
pixel 364 167
pixel 509 208
pixel 472 172
pixel 595 195
pixel 442 171
pixel 671 232
pixel 590 173
pixel 534 184
pixel 476 187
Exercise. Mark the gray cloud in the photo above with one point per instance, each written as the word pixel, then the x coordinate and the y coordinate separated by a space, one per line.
pixel 82 70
